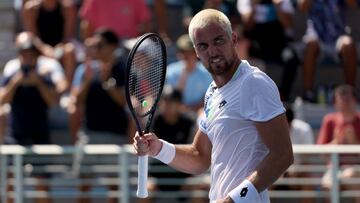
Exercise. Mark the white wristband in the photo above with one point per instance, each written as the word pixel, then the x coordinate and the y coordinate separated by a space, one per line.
pixel 244 193
pixel 167 152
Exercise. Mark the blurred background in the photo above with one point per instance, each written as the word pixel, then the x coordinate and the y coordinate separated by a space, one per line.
pixel 65 129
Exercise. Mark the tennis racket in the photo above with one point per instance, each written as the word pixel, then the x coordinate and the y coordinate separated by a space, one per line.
pixel 145 76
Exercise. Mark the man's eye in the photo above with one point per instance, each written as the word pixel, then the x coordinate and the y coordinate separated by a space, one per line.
pixel 219 41
pixel 201 47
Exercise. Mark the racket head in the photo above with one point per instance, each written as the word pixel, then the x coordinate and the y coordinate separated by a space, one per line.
pixel 145 76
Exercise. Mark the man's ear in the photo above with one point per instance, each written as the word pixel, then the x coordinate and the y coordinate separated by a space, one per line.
pixel 234 37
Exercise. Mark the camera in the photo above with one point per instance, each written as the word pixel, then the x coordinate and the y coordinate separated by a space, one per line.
pixel 25 69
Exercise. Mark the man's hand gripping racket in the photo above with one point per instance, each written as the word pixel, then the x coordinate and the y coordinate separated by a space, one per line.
pixel 145 77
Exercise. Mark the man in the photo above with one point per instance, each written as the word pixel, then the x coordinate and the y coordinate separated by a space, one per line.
pixel 342 127
pixel 301 133
pixel 31 85
pixel 173 125
pixel 275 17
pixel 134 14
pixel 188 75
pixel 98 91
pixel 99 87
pixel 244 134
pixel 327 34
pixel 54 24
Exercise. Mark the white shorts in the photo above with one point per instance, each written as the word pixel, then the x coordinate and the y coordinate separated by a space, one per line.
pixel 327 50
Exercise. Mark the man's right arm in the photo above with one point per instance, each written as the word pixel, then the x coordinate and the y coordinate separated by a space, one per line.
pixel 304 5
pixel 7 91
pixel 192 158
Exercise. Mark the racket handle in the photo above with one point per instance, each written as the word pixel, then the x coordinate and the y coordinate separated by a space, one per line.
pixel 142 177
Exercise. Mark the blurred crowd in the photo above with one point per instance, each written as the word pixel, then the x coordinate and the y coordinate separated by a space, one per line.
pixel 71 55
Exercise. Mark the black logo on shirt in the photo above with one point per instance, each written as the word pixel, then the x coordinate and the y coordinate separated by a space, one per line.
pixel 222 104
pixel 243 192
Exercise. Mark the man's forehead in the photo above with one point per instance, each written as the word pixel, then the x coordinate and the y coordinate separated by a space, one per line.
pixel 210 31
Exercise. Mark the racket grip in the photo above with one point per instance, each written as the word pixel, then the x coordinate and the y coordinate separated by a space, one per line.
pixel 142 177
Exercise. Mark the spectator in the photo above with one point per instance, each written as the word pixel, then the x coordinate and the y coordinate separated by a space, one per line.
pixel 168 27
pixel 328 34
pixel 188 75
pixel 75 111
pixel 98 92
pixel 172 125
pixel 342 127
pixel 275 17
pixel 100 88
pixel 301 133
pixel 32 84
pixel 54 23
pixel 134 16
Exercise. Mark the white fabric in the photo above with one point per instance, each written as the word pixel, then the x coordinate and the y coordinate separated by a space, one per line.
pixel 262 11
pixel 326 49
pixel 44 65
pixel 230 112
pixel 167 152
pixel 245 193
pixel 300 133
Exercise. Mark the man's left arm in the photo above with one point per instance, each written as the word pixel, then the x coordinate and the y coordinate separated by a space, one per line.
pixel 275 135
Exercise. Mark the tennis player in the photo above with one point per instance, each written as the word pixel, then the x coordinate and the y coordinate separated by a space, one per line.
pixel 243 136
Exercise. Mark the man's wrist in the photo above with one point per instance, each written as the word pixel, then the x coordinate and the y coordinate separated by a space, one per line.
pixel 166 153
pixel 244 193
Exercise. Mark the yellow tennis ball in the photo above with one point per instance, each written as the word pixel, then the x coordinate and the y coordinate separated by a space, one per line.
pixel 145 104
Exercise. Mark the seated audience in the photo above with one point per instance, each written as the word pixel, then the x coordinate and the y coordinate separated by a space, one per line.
pixel 327 34
pixel 342 127
pixel 54 23
pixel 261 18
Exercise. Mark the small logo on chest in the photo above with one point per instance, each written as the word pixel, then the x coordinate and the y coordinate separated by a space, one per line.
pixel 222 104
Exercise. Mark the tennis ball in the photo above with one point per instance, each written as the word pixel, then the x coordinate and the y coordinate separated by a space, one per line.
pixel 145 103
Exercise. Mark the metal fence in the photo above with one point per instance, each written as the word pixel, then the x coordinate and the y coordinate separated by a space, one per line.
pixel 106 165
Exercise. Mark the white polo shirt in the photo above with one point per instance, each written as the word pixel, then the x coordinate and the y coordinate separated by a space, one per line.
pixel 230 112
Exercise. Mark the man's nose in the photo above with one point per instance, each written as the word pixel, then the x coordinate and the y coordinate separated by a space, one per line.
pixel 212 50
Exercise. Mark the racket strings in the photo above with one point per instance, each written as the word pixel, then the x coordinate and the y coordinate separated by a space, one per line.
pixel 146 75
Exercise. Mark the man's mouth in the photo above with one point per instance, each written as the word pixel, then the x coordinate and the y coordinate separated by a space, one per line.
pixel 215 60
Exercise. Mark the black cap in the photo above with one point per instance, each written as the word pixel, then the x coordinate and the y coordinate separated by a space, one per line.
pixel 170 93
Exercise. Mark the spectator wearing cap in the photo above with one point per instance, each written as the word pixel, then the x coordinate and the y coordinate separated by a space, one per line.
pixel 301 133
pixel 172 125
pixel 188 75
pixel 32 84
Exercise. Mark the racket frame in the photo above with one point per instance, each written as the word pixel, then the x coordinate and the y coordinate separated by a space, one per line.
pixel 143 160
pixel 151 112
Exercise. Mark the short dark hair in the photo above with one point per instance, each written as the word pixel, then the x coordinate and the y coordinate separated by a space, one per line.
pixel 171 93
pixel 345 89
pixel 108 35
